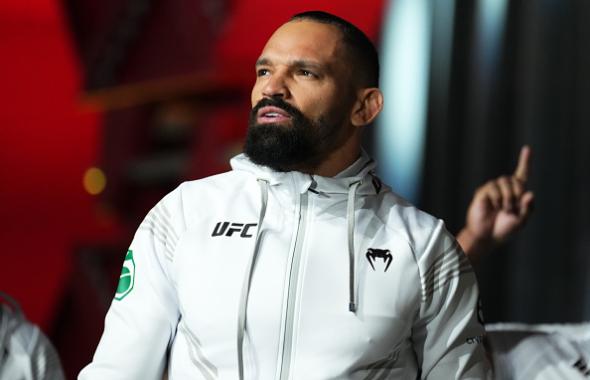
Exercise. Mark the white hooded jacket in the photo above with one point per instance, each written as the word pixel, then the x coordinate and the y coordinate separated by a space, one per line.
pixel 257 274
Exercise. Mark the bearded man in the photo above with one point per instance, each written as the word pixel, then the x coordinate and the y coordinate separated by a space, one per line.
pixel 299 263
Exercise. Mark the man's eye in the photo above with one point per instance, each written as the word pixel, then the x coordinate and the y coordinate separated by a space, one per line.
pixel 262 72
pixel 307 73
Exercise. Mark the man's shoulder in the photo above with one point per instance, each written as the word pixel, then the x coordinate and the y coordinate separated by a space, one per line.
pixel 406 221
pixel 203 194
pixel 398 213
pixel 226 180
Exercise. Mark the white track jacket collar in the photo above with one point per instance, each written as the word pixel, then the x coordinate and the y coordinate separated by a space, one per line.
pixel 256 274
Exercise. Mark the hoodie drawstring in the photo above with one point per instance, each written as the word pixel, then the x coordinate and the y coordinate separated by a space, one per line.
pixel 352 305
pixel 248 278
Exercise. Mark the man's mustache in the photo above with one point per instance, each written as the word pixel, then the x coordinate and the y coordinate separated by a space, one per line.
pixel 279 103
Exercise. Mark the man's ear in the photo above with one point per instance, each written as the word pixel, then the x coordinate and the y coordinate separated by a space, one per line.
pixel 367 106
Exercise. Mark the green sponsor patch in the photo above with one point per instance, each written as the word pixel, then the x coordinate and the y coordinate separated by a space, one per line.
pixel 127 278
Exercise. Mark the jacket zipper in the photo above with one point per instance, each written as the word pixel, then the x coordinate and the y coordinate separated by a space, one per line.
pixel 292 291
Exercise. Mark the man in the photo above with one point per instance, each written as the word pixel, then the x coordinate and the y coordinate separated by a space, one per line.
pixel 25 352
pixel 299 263
pixel 521 351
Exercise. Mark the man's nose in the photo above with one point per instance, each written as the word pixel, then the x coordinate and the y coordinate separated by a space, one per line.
pixel 276 86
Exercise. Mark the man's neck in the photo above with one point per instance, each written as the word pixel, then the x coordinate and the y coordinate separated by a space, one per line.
pixel 338 160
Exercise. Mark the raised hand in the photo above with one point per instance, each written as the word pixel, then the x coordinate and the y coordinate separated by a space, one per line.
pixel 498 209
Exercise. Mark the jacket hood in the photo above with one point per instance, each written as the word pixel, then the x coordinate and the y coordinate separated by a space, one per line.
pixel 362 170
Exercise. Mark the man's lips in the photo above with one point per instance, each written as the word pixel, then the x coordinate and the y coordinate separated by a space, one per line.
pixel 271 114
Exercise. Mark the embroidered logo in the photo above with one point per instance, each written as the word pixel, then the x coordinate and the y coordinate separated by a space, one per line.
pixel 475 339
pixel 228 229
pixel 127 278
pixel 582 366
pixel 373 254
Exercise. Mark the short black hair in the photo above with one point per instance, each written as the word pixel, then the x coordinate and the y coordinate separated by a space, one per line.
pixel 360 47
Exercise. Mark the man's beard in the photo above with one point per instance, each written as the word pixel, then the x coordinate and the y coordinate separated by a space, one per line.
pixel 302 145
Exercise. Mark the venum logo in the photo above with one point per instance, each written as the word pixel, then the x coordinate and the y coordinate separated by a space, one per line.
pixel 373 254
pixel 229 228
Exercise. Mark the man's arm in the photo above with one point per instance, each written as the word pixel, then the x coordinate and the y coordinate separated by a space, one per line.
pixel 498 209
pixel 141 322
pixel 448 333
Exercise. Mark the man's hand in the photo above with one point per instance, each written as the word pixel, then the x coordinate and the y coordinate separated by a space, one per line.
pixel 498 209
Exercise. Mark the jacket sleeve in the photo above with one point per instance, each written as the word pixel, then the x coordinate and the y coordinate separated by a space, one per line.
pixel 141 322
pixel 448 333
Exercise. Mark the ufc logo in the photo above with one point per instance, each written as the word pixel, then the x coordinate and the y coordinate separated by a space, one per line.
pixel 228 229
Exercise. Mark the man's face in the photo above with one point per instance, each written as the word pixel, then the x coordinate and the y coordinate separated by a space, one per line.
pixel 302 97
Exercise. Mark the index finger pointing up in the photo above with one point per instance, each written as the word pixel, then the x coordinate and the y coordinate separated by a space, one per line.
pixel 522 169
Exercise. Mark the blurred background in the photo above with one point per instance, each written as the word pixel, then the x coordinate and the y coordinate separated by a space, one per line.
pixel 107 105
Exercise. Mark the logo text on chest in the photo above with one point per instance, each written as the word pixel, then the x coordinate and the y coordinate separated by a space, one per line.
pixel 230 228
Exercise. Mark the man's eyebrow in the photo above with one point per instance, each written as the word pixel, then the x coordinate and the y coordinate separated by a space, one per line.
pixel 298 63
pixel 263 62
pixel 302 63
